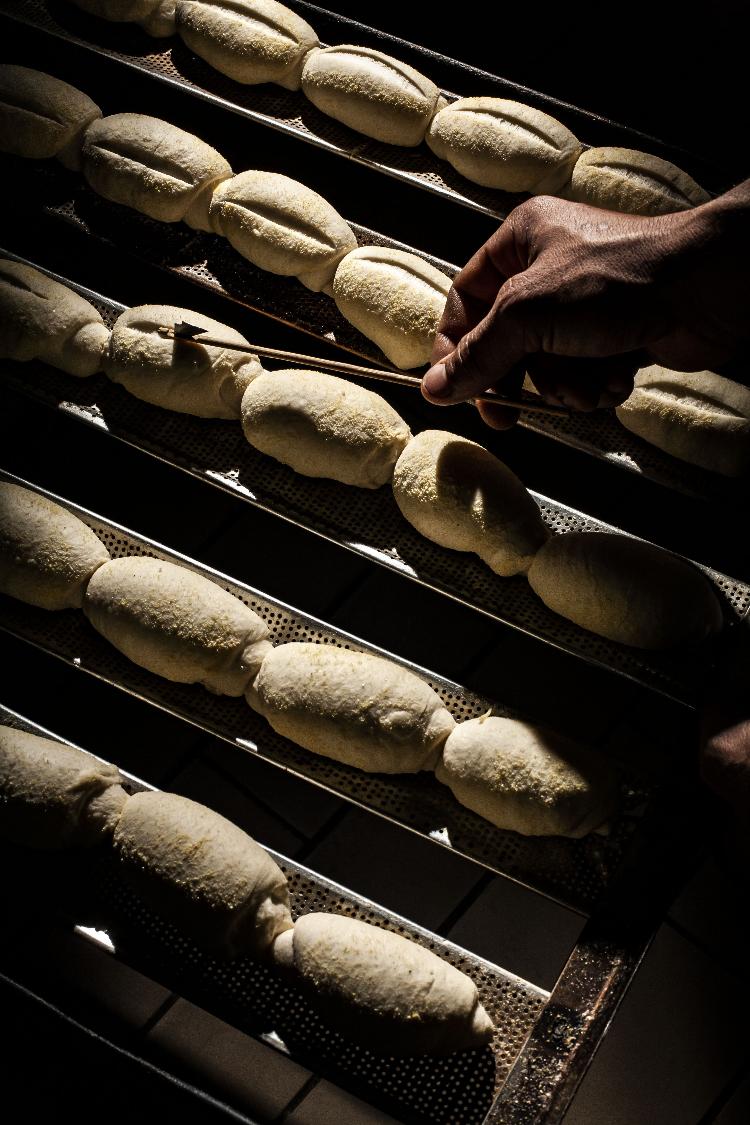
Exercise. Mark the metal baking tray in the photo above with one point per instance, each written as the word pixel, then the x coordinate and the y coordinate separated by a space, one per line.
pixel 210 262
pixel 291 113
pixel 251 997
pixel 572 871
pixel 367 522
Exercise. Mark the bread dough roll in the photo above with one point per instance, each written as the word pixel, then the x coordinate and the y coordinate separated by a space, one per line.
pixel 459 495
pixel 697 416
pixel 202 873
pixel 177 624
pixel 623 179
pixel 156 17
pixel 371 92
pixel 47 555
pixel 40 116
pixel 205 381
pixel 351 706
pixel 504 144
pixel 154 167
pixel 322 426
pixel 526 779
pixel 394 298
pixel 52 795
pixel 282 226
pixel 626 590
pixel 381 989
pixel 42 319
pixel 250 41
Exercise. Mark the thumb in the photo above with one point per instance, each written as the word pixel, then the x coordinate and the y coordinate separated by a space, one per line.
pixel 481 359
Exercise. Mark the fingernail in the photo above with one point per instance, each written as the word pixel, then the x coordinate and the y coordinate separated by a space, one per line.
pixel 436 382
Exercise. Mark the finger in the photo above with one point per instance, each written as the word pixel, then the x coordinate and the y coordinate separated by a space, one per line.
pixel 583 383
pixel 482 358
pixel 503 417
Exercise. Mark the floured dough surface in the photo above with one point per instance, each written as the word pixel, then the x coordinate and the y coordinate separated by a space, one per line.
pixel 383 990
pixel 622 179
pixel 698 416
pixel 42 319
pixel 46 788
pixel 505 145
pixel 47 555
pixel 394 298
pixel 459 495
pixel 526 779
pixel 202 873
pixel 625 590
pixel 176 623
pixel 282 226
pixel 351 706
pixel 322 426
pixel 41 117
pixel 182 375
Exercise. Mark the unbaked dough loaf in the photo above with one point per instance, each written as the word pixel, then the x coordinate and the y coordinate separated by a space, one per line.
pixel 504 144
pixel 47 555
pixel 698 416
pixel 154 167
pixel 322 426
pixel 53 795
pixel 282 226
pixel 42 319
pixel 250 41
pixel 206 381
pixel 625 589
pixel 202 873
pixel 351 706
pixel 381 989
pixel 371 92
pixel 40 116
pixel 155 16
pixel 623 179
pixel 176 623
pixel 459 495
pixel 394 298
pixel 526 779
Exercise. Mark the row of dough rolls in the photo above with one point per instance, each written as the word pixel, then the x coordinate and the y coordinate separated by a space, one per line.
pixel 393 297
pixel 353 707
pixel 494 142
pixel 204 875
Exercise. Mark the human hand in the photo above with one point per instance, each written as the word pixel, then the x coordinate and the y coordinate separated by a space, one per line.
pixel 580 298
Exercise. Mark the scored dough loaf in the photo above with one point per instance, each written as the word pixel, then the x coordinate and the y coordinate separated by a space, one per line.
pixel 526 779
pixel 381 989
pixel 47 555
pixel 250 41
pixel 42 319
pixel 623 179
pixel 322 426
pixel 351 706
pixel 176 623
pixel 153 167
pixel 371 92
pixel 41 117
pixel 394 298
pixel 202 873
pixel 181 375
pixel 698 416
pixel 53 795
pixel 626 590
pixel 504 144
pixel 282 226
pixel 156 17
pixel 459 495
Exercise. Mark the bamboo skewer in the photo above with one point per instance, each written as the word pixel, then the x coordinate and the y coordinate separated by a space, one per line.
pixel 189 333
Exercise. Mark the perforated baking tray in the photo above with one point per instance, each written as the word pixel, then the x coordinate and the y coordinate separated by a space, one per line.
pixel 459 1087
pixel 365 521
pixel 572 871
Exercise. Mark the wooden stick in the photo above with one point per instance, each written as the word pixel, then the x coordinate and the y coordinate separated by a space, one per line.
pixel 383 374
